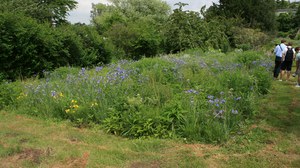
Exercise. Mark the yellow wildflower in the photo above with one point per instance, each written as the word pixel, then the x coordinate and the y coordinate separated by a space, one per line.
pixel 22 95
pixel 94 104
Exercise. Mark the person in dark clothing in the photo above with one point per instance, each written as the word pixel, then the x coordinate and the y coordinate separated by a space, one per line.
pixel 278 51
pixel 286 66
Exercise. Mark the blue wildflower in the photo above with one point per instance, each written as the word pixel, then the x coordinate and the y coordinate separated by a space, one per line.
pixel 192 91
pixel 210 97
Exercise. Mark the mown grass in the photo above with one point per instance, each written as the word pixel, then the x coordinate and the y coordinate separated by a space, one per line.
pixel 32 142
pixel 269 140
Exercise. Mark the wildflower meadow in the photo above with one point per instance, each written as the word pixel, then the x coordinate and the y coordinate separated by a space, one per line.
pixel 194 96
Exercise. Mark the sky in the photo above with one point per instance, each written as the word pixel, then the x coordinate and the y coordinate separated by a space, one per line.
pixel 82 12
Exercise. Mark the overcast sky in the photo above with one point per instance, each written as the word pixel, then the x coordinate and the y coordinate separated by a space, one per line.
pixel 82 12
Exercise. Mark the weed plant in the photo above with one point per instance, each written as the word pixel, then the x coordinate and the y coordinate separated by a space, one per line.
pixel 194 97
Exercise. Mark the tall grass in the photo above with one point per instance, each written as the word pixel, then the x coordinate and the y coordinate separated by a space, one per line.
pixel 197 97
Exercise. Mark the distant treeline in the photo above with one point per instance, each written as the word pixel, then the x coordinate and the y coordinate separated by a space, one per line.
pixel 35 35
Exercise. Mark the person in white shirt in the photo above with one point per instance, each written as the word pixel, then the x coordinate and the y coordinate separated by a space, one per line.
pixel 278 51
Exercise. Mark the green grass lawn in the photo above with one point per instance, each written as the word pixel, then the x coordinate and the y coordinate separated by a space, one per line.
pixel 272 139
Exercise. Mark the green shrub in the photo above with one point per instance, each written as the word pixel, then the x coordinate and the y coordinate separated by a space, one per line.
pixel 263 80
pixel 95 51
pixel 248 58
pixel 247 38
pixel 9 92
pixel 29 48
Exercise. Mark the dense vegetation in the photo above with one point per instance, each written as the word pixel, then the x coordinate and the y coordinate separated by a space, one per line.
pixel 116 71
pixel 36 37
pixel 198 98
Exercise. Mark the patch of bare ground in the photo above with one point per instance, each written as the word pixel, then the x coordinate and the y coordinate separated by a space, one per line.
pixel 80 162
pixel 29 154
pixel 208 152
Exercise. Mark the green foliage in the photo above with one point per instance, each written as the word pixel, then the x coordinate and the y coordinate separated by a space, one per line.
pixel 21 41
pixel 9 92
pixel 247 39
pixel 95 51
pixel 137 39
pixel 247 58
pixel 132 26
pixel 51 12
pixel 182 31
pixel 186 29
pixel 297 16
pixel 191 97
pixel 256 16
pixel 29 48
pixel 263 81
pixel 61 73
pixel 285 22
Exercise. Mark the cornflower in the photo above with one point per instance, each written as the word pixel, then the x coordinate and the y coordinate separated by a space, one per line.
pixel 191 91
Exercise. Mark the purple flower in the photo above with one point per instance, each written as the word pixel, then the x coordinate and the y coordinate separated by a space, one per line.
pixel 82 72
pixel 192 91
pixel 99 68
pixel 210 97
pixel 53 93
pixel 223 101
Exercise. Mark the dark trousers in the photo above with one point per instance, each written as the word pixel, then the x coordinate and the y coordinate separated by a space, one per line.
pixel 278 61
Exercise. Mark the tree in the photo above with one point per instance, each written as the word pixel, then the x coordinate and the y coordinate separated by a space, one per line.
pixel 297 17
pixel 255 13
pixel 182 30
pixel 94 48
pixel 282 4
pixel 186 29
pixel 50 11
pixel 133 26
pixel 28 47
pixel 285 21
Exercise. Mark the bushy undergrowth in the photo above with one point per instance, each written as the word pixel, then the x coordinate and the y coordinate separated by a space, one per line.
pixel 27 47
pixel 200 98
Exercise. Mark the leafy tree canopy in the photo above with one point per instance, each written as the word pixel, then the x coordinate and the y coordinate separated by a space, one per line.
pixel 133 26
pixel 255 13
pixel 123 11
pixel 50 11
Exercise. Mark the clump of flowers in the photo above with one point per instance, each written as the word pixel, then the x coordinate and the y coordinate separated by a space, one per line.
pixel 73 107
pixel 56 95
pixel 94 104
pixel 220 105
pixel 22 95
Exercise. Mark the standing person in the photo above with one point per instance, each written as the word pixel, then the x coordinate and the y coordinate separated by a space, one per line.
pixel 298 65
pixel 297 49
pixel 278 51
pixel 286 66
